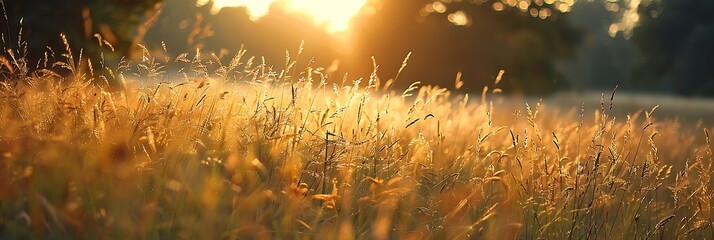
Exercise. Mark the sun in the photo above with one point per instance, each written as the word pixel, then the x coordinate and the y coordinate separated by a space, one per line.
pixel 333 15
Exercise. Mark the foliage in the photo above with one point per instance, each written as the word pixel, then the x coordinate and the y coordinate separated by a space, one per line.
pixel 675 39
pixel 492 39
pixel 605 58
pixel 121 22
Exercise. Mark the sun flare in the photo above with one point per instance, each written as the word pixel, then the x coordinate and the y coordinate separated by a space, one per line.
pixel 333 15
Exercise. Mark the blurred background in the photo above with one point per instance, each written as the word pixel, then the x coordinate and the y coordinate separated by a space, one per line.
pixel 544 46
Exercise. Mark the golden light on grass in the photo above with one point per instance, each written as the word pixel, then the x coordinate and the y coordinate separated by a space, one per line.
pixel 259 156
pixel 333 15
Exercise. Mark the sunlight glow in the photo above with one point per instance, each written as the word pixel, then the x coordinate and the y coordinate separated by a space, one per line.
pixel 459 18
pixel 630 18
pixel 333 15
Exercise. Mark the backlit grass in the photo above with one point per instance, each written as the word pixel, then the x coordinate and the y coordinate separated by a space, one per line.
pixel 195 149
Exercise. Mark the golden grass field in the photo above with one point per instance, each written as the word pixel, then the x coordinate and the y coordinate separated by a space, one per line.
pixel 248 151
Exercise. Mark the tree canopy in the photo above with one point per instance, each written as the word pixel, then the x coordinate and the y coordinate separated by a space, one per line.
pixel 121 23
pixel 675 39
pixel 494 36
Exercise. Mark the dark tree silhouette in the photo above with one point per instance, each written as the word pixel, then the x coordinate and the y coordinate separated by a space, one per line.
pixel 675 39
pixel 603 61
pixel 121 22
pixel 510 39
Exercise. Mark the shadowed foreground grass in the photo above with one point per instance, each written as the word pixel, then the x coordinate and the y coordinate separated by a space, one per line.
pixel 248 151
